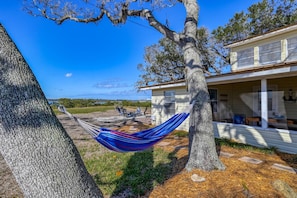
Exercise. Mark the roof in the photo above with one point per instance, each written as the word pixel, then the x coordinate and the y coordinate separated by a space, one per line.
pixel 269 34
pixel 251 74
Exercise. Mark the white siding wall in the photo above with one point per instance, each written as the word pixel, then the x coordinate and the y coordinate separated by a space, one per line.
pixel 284 56
pixel 283 140
pixel 182 103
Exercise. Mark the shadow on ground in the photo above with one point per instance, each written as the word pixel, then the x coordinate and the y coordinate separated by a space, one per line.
pixel 144 172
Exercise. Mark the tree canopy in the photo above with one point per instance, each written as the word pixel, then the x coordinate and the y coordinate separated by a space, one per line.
pixel 164 61
pixel 260 18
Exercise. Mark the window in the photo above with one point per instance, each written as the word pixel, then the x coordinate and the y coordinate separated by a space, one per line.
pixel 270 53
pixel 245 57
pixel 292 49
pixel 169 102
pixel 213 95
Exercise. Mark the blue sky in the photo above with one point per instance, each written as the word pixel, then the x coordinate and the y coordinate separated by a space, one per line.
pixel 98 61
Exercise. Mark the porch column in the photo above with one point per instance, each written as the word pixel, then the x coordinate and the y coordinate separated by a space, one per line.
pixel 264 104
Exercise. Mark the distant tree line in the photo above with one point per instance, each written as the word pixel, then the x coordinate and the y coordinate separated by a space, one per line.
pixel 71 103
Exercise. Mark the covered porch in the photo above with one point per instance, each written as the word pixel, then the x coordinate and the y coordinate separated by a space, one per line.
pixel 257 111
pixel 268 101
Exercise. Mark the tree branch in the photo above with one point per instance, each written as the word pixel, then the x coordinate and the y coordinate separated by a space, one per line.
pixel 148 15
pixel 62 19
pixel 60 14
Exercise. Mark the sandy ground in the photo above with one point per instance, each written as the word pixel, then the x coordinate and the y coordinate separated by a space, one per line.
pixel 8 184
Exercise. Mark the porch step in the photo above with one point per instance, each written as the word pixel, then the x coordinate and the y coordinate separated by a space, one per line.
pixel 284 168
pixel 251 160
pixel 226 154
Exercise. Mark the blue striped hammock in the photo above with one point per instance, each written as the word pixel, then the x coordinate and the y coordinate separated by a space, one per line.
pixel 125 142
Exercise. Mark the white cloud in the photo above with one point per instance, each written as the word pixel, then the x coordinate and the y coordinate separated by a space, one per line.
pixel 113 83
pixel 127 94
pixel 68 75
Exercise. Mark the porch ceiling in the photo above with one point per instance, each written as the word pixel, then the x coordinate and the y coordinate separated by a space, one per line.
pixel 263 72
pixel 275 72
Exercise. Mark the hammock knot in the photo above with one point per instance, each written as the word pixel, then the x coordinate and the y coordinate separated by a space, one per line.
pixel 62 109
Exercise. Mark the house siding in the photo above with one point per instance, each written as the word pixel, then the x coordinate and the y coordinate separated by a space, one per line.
pixel 283 140
pixel 255 45
pixel 182 103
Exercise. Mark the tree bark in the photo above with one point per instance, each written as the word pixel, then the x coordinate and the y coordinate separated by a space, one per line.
pixel 202 148
pixel 34 144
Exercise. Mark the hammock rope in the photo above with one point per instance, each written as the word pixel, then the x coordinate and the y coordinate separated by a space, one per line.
pixel 125 142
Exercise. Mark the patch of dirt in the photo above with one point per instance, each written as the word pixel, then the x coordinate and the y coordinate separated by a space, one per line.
pixel 8 185
pixel 240 179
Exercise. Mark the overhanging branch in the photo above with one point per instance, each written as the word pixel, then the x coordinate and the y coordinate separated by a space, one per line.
pixel 148 15
pixel 61 14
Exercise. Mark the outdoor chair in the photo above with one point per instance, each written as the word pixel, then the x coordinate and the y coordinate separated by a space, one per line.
pixel 239 119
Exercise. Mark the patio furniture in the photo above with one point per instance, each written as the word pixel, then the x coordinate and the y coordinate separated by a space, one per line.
pixel 239 119
pixel 253 120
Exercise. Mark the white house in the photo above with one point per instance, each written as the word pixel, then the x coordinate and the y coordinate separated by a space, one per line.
pixel 256 103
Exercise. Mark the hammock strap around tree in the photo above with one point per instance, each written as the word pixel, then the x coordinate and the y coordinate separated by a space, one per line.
pixel 125 142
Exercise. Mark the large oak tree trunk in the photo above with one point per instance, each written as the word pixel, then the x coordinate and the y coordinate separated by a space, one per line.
pixel 202 148
pixel 34 144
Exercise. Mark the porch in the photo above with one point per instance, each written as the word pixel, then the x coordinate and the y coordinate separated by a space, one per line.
pixel 260 112
pixel 257 106
pixel 265 103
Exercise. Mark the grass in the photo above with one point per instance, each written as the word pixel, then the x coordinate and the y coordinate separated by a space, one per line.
pixel 80 110
pixel 233 144
pixel 179 133
pixel 137 172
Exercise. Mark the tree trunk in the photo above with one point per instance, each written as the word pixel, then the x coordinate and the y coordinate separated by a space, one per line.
pixel 34 144
pixel 202 148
